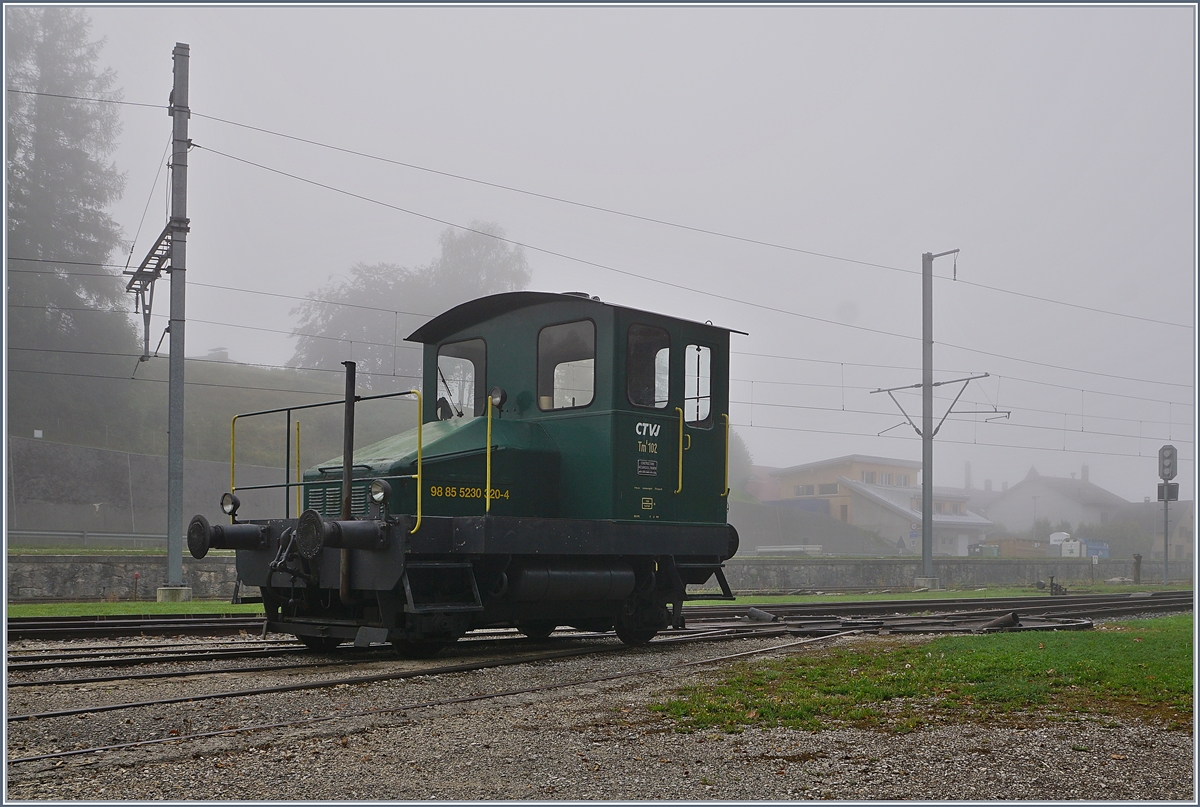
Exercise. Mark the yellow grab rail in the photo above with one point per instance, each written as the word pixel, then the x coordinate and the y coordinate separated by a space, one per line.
pixel 487 496
pixel 233 448
pixel 680 488
pixel 417 526
pixel 726 492
pixel 299 487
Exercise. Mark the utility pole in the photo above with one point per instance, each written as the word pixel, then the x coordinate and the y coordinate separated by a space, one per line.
pixel 180 112
pixel 168 254
pixel 927 418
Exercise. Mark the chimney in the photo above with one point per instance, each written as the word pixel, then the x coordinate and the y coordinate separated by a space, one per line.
pixel 987 485
pixel 968 477
pixel 1083 473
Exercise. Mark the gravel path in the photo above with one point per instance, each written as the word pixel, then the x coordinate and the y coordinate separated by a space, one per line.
pixel 591 741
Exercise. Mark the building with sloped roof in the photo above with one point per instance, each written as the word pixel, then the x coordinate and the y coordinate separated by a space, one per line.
pixel 894 514
pixel 1076 500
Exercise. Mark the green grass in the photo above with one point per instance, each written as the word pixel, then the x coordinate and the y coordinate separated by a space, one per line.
pixel 138 608
pixel 1141 668
pixel 100 550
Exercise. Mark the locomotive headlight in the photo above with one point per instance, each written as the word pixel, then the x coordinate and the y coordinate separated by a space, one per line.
pixel 499 396
pixel 230 504
pixel 380 491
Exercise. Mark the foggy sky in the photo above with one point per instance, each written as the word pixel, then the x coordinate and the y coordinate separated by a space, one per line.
pixel 1054 146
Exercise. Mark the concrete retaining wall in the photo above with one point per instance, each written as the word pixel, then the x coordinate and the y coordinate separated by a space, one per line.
pixel 782 574
pixel 56 577
pixel 111 577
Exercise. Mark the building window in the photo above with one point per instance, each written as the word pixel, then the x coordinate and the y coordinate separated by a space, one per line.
pixel 647 366
pixel 566 365
pixel 885 479
pixel 845 510
pixel 462 373
pixel 804 490
pixel 956 509
pixel 868 477
pixel 938 507
pixel 828 489
pixel 903 480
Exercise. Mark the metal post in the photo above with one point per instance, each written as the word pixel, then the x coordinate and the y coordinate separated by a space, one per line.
pixel 927 414
pixel 180 113
pixel 1166 533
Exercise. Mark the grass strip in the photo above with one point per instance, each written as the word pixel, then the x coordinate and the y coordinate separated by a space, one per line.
pixel 1140 668
pixel 135 608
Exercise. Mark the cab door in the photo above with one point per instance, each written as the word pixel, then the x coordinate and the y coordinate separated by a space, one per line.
pixel 701 419
pixel 646 429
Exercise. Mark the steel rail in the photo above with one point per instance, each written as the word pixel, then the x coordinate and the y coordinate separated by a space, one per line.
pixel 426 704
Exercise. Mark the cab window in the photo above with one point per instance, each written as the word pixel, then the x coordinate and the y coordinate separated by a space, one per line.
pixel 461 377
pixel 566 365
pixel 697 385
pixel 647 365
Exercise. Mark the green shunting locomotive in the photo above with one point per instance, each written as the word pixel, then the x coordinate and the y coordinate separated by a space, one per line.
pixel 572 469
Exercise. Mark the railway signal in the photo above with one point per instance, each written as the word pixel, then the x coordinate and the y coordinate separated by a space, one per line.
pixel 1168 464
pixel 1168 491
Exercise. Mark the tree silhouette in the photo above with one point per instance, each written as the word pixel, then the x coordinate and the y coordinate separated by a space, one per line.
pixel 343 321
pixel 60 183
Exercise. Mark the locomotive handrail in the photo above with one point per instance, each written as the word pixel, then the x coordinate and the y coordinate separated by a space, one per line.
pixel 680 488
pixel 289 409
pixel 487 483
pixel 726 491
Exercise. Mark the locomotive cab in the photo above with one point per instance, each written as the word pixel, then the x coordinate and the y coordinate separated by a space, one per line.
pixel 570 468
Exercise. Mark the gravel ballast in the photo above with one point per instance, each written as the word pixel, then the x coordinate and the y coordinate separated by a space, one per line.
pixel 585 741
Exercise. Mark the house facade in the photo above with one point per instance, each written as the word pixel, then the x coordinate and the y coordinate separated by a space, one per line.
pixel 816 486
pixel 883 496
pixel 1075 500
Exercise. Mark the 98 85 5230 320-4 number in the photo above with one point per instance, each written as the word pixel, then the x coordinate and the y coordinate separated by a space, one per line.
pixel 463 492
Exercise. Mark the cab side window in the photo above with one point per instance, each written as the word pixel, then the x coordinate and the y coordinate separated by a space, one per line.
pixel 647 365
pixel 462 375
pixel 566 365
pixel 697 385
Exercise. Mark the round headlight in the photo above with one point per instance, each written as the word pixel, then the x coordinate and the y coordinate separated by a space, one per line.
pixel 499 396
pixel 229 504
pixel 380 491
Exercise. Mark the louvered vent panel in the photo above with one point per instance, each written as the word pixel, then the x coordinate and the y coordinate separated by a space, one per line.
pixel 327 499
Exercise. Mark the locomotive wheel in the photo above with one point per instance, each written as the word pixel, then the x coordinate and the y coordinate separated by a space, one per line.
pixel 320 644
pixel 537 630
pixel 635 636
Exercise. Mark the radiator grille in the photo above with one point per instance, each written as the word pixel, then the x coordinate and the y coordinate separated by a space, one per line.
pixel 327 499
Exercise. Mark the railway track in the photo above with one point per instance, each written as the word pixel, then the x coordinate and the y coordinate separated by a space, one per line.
pixel 785 626
pixel 51 628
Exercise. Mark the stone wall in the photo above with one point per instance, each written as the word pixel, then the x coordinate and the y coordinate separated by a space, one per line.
pixel 784 574
pixel 91 577
pixel 111 577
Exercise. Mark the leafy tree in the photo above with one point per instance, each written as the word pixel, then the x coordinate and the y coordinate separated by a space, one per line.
pixel 60 182
pixel 337 322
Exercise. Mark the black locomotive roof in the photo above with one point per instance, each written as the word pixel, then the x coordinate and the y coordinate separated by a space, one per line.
pixel 482 309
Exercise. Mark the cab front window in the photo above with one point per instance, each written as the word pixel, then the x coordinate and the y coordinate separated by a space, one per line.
pixel 461 378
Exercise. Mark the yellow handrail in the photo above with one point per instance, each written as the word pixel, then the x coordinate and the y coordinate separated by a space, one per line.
pixel 487 500
pixel 233 448
pixel 417 526
pixel 299 488
pixel 726 492
pixel 680 488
